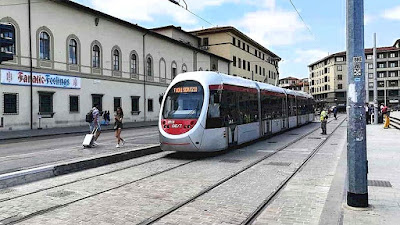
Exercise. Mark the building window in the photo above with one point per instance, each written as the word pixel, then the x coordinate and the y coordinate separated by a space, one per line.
pixel 46 102
pixel 150 105
pixel 369 56
pixel 248 66
pixel 97 100
pixel 73 103
pixel 256 68
pixel 73 52
pixel 10 103
pixel 134 64
pixel 340 86
pixel 381 75
pixel 173 70
pixel 233 40
pixel 117 103
pixel 10 35
pixel 371 84
pixel 393 64
pixel 339 59
pixel 149 66
pixel 264 72
pixel 255 52
pixel 44 45
pixel 339 77
pixel 135 103
pixel 116 60
pixel 392 55
pixel 239 63
pixel 393 74
pixel 381 65
pixel 184 68
pixel 370 75
pixel 244 46
pixel 239 43
pixel 339 68
pixel 381 56
pixel 96 56
pixel 234 61
pixel 248 48
pixel 205 41
pixel 244 64
pixel 370 66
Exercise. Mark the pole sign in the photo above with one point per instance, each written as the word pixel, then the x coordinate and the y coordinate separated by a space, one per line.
pixel 357 60
pixel 15 77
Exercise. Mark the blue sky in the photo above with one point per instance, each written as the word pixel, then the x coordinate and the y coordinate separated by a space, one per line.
pixel 273 23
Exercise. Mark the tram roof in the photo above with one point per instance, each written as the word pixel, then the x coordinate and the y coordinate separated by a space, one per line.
pixel 211 77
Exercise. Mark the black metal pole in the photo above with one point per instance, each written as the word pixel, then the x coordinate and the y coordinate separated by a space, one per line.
pixel 30 62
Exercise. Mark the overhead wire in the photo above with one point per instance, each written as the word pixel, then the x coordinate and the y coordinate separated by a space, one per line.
pixel 298 13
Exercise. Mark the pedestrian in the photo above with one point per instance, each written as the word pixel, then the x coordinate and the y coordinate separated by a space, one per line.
pixel 367 115
pixel 386 117
pixel 119 115
pixel 95 123
pixel 324 120
pixel 335 112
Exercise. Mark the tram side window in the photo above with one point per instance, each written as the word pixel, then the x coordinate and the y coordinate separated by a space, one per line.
pixel 272 107
pixel 214 119
pixel 248 106
pixel 229 108
pixel 292 106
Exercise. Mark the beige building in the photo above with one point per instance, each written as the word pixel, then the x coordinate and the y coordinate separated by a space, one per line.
pixel 328 77
pixel 295 84
pixel 82 57
pixel 249 59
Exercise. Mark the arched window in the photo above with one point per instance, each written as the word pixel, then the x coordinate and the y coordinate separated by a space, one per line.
pixel 163 70
pixel 173 69
pixel 10 35
pixel 116 60
pixel 44 46
pixel 200 69
pixel 96 56
pixel 184 68
pixel 149 65
pixel 73 52
pixel 134 64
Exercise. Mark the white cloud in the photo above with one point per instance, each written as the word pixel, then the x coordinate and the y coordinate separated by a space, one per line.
pixel 392 14
pixel 309 56
pixel 274 27
pixel 368 19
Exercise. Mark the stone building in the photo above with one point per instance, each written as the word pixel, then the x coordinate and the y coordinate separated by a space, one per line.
pixel 250 59
pixel 328 77
pixel 82 57
pixel 296 84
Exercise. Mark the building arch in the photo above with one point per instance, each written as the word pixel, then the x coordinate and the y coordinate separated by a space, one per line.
pixel 134 62
pixel 163 70
pixel 174 69
pixel 44 53
pixel 96 57
pixel 69 51
pixel 149 70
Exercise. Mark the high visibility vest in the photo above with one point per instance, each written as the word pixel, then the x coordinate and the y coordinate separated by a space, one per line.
pixel 323 115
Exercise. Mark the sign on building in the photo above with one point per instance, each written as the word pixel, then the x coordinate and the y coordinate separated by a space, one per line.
pixel 15 77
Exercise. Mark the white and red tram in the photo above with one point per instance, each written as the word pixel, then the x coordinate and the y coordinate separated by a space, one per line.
pixel 209 111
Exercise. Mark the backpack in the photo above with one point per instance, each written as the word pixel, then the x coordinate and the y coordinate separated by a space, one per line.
pixel 89 116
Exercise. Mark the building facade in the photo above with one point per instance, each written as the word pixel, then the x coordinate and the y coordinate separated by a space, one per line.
pixel 82 57
pixel 328 77
pixel 250 60
pixel 296 84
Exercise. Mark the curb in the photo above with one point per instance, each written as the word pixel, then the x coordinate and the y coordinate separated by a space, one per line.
pixel 44 172
pixel 104 128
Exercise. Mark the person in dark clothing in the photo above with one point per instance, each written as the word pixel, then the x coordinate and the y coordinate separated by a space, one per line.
pixel 119 115
pixel 335 112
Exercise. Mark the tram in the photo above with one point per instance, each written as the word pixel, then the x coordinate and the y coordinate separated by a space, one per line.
pixel 208 111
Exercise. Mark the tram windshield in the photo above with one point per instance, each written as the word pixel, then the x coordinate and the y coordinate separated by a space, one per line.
pixel 184 101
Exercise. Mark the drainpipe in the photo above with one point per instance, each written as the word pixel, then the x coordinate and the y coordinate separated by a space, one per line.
pixel 30 62
pixel 144 75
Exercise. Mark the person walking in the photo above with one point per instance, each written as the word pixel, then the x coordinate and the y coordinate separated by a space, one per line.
pixel 119 115
pixel 324 120
pixel 95 123
pixel 386 117
pixel 335 112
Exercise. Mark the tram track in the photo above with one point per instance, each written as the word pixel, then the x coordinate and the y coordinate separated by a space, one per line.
pixel 157 216
pixel 254 215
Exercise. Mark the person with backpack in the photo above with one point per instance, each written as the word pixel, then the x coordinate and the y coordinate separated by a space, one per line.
pixel 119 115
pixel 93 118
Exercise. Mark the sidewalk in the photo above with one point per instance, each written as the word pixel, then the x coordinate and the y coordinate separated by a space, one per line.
pixel 8 135
pixel 317 194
